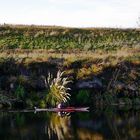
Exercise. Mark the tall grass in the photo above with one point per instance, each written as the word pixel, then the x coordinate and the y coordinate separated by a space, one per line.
pixel 58 90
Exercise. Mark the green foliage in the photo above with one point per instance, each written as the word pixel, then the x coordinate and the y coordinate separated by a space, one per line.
pixel 5 100
pixel 109 98
pixel 83 97
pixel 42 104
pixel 27 37
pixel 136 101
pixel 20 92
pixel 29 103
pixel 125 101
pixel 20 119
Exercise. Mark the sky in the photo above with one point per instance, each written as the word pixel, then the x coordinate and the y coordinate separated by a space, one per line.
pixel 71 13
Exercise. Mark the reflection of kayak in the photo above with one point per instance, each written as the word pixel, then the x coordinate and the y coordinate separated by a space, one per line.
pixel 67 109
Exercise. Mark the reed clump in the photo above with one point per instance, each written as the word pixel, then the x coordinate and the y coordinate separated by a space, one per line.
pixel 58 90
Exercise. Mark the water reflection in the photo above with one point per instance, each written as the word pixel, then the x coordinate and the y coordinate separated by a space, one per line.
pixel 60 125
pixel 97 125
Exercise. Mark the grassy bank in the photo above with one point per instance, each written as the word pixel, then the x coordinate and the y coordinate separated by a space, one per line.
pixel 22 75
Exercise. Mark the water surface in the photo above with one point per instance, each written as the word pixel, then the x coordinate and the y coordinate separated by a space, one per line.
pixel 95 125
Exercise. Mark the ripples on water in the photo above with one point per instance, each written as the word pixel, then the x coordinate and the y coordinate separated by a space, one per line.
pixel 95 125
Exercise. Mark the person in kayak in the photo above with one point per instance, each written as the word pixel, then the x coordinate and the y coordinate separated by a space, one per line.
pixel 61 105
pixel 62 113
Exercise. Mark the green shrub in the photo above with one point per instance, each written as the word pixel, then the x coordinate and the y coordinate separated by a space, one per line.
pixel 5 101
pixel 136 101
pixel 20 92
pixel 42 104
pixel 83 97
pixel 29 103
pixel 125 101
pixel 109 98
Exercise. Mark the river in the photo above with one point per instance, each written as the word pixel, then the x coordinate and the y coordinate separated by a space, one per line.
pixel 105 124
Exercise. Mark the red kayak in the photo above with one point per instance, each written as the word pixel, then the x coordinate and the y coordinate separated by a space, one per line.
pixel 67 109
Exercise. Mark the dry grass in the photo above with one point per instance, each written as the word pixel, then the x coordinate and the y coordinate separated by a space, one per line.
pixel 43 55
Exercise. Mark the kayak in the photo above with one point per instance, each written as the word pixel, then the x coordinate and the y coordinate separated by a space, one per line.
pixel 67 109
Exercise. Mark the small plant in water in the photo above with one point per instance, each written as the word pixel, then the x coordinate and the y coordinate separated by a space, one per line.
pixel 58 90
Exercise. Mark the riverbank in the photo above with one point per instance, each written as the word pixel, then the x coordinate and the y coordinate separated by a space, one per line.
pixel 99 77
pixel 102 63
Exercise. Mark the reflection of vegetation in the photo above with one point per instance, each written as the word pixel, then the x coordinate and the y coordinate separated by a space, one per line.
pixel 20 120
pixel 83 117
pixel 113 123
pixel 85 134
pixel 58 92
pixel 60 126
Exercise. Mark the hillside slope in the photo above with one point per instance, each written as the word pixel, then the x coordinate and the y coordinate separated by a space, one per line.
pixel 60 38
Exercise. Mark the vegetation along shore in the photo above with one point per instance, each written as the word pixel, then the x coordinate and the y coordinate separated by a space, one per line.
pixel 42 66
